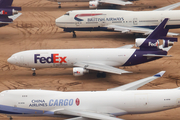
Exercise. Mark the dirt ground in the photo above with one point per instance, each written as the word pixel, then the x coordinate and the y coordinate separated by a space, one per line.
pixel 36 29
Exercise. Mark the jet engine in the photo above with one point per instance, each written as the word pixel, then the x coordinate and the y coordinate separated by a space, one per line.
pixel 8 12
pixel 93 4
pixel 167 43
pixel 144 43
pixel 78 71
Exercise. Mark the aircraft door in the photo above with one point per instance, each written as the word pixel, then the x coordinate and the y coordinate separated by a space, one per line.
pixel 135 21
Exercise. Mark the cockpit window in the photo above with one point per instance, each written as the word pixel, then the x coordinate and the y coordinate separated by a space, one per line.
pixel 66 13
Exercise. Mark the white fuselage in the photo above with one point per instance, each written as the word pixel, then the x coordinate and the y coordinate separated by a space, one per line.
pixel 68 57
pixel 43 102
pixel 91 20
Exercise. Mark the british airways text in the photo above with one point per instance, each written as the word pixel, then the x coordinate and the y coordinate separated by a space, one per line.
pixel 105 19
pixel 61 102
pixel 55 58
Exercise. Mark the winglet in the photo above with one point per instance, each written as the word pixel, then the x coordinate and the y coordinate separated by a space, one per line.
pixel 160 74
pixel 135 85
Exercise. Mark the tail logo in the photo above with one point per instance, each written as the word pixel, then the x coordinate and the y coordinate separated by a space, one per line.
pixel 3 12
pixel 77 101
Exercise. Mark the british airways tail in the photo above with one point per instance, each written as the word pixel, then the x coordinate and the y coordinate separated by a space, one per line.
pixel 152 42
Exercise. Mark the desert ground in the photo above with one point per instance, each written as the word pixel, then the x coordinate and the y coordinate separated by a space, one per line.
pixel 36 29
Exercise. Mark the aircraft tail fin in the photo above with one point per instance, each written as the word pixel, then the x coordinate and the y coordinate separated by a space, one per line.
pixel 6 3
pixel 160 32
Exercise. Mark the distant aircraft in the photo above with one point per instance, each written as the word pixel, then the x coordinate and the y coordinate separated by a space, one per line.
pixel 7 12
pixel 102 60
pixel 138 22
pixel 90 105
pixel 96 3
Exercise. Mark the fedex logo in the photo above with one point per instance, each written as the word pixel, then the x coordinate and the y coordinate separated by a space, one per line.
pixel 55 58
pixel 153 44
pixel 3 12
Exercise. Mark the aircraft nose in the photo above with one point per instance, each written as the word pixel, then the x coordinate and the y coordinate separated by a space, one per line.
pixel 11 60
pixel 59 22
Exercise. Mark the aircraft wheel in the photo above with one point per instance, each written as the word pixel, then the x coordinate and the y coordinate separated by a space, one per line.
pixel 103 75
pixel 34 74
pixel 98 75
pixel 74 34
pixel 59 7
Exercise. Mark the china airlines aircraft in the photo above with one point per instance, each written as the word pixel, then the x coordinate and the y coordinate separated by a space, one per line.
pixel 102 60
pixel 96 3
pixel 8 13
pixel 90 105
pixel 137 22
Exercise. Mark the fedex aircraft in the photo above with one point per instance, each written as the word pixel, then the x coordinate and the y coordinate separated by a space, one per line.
pixel 90 105
pixel 137 22
pixel 102 60
pixel 96 3
pixel 7 12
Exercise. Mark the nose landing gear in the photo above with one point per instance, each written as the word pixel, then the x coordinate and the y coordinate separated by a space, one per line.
pixel 34 71
pixel 59 3
pixel 74 34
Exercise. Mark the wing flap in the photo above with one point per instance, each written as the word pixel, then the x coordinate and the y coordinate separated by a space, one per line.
pixel 169 7
pixel 135 85
pixel 116 2
pixel 100 67
pixel 84 115
pixel 144 31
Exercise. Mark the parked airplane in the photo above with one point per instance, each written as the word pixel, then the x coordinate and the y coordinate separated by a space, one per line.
pixel 90 105
pixel 103 60
pixel 7 12
pixel 96 3
pixel 119 20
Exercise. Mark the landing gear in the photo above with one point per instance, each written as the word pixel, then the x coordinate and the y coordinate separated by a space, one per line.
pixel 101 75
pixel 34 71
pixel 10 118
pixel 59 3
pixel 74 34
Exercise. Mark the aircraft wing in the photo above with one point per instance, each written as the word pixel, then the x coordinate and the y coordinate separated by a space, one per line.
pixel 100 67
pixel 124 29
pixel 126 46
pixel 84 115
pixel 116 2
pixel 169 7
pixel 135 85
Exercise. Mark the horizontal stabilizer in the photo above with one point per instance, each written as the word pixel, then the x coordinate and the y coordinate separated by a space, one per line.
pixel 169 7
pixel 135 85
pixel 15 16
pixel 100 67
pixel 154 55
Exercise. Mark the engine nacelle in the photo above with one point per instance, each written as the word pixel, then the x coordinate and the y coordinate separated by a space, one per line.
pixel 8 12
pixel 93 4
pixel 78 71
pixel 144 43
pixel 167 43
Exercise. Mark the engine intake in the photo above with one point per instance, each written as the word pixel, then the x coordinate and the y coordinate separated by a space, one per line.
pixel 147 43
pixel 167 43
pixel 78 71
pixel 93 4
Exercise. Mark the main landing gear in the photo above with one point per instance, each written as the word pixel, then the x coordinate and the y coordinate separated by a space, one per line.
pixel 34 71
pixel 10 118
pixel 101 75
pixel 59 3
pixel 74 34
